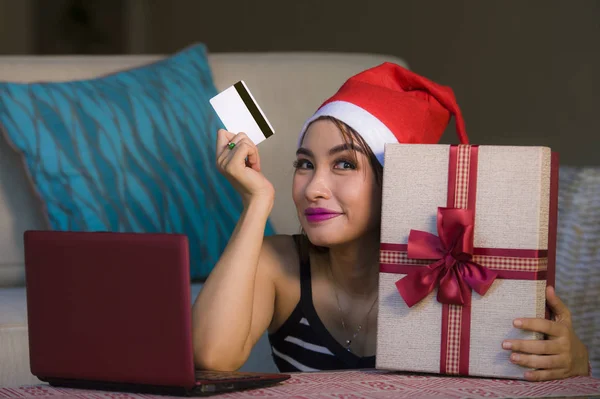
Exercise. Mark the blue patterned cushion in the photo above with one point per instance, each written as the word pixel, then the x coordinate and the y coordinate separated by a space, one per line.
pixel 132 151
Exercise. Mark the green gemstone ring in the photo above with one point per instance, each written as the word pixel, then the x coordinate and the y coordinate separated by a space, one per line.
pixel 231 146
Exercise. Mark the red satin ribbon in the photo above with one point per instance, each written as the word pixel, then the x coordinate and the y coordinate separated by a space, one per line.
pixel 454 272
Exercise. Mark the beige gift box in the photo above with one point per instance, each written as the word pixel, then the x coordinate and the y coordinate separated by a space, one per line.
pixel 511 193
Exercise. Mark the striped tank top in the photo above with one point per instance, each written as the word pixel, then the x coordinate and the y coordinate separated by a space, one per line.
pixel 303 343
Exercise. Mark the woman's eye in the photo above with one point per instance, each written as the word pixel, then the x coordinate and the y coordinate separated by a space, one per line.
pixel 302 164
pixel 345 165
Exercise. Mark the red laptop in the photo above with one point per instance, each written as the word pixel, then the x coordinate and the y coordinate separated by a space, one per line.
pixel 112 311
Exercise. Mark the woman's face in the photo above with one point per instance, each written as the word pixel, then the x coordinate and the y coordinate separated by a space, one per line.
pixel 337 199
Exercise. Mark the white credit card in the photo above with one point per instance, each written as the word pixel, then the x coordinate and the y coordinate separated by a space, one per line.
pixel 239 112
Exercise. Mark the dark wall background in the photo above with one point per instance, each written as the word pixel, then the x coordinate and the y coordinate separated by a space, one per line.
pixel 525 72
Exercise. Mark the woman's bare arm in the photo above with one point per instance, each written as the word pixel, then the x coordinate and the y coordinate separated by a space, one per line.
pixel 235 306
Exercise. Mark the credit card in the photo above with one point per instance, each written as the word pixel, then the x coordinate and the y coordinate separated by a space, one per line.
pixel 239 112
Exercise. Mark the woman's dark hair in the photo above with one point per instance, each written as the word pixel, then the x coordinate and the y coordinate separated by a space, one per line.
pixel 353 138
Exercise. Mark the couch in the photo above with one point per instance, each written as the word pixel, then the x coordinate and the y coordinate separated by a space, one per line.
pixel 288 86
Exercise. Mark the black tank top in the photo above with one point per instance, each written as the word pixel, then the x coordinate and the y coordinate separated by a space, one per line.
pixel 303 343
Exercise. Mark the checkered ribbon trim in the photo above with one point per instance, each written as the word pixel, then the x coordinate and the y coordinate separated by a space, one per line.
pixel 455 314
pixel 400 258
pixel 512 264
pixel 491 262
pixel 461 194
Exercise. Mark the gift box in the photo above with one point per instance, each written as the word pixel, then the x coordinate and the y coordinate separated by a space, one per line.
pixel 468 237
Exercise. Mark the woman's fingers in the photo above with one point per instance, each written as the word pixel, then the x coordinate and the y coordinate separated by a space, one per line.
pixel 548 327
pixel 223 138
pixel 534 346
pixel 546 375
pixel 238 160
pixel 240 156
pixel 253 159
pixel 224 151
pixel 539 361
pixel 560 310
pixel 243 149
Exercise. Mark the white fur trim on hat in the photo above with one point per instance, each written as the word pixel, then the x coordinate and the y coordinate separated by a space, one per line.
pixel 372 130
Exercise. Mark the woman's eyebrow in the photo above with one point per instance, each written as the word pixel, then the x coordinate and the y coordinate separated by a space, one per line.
pixel 345 147
pixel 304 151
pixel 332 151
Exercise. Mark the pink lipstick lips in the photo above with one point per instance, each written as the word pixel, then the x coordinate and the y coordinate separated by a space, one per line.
pixel 315 215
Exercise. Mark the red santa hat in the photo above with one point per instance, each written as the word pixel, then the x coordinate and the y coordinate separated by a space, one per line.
pixel 390 104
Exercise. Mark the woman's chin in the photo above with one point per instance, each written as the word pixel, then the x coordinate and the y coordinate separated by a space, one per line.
pixel 331 236
pixel 322 238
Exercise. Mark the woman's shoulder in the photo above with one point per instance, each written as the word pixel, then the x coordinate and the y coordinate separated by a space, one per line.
pixel 282 251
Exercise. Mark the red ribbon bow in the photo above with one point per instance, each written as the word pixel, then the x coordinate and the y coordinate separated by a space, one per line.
pixel 454 272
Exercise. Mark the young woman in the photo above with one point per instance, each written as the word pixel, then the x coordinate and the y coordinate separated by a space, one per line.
pixel 316 293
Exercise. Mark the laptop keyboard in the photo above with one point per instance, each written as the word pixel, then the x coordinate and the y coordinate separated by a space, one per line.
pixel 223 375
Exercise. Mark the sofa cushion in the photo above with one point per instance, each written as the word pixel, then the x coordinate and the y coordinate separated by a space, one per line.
pixel 14 348
pixel 131 151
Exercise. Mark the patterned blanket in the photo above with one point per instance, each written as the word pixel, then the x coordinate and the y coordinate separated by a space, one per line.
pixel 363 385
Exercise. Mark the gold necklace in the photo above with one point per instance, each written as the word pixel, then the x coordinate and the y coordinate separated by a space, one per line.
pixel 349 341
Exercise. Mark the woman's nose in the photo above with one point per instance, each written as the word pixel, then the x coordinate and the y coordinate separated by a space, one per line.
pixel 317 188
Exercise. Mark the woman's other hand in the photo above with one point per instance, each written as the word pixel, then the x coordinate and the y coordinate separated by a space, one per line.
pixel 562 355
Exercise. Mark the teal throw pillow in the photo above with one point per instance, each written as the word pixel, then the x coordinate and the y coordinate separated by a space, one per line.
pixel 128 152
